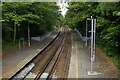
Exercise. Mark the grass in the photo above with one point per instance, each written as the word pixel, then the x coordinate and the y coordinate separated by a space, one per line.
pixel 113 56
pixel 8 44
pixel 116 61
pixel 57 28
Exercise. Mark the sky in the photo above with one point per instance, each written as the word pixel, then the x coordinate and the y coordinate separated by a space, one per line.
pixel 63 5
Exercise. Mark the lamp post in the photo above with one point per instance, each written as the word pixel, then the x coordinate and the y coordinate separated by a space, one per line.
pixel 28 35
pixel 86 33
pixel 92 47
pixel 87 30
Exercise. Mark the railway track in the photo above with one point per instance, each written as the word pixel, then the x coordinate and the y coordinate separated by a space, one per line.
pixel 48 62
pixel 62 67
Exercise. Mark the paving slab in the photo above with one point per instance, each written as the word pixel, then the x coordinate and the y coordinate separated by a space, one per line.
pixel 15 61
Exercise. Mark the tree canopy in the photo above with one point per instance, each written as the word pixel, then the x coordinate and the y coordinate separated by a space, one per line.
pixel 41 17
pixel 108 27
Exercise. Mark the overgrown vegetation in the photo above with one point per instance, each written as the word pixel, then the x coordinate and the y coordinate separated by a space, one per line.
pixel 108 24
pixel 41 17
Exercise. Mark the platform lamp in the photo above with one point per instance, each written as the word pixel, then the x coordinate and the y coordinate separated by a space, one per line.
pixel 1 29
pixel 92 47
pixel 118 14
pixel 1 20
pixel 87 31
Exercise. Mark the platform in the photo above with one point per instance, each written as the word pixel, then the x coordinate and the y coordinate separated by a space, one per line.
pixel 80 60
pixel 13 62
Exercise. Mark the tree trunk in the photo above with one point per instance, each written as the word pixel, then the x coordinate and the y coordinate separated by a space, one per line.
pixel 14 38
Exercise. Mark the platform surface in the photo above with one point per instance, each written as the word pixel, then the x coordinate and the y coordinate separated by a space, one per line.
pixel 80 60
pixel 13 62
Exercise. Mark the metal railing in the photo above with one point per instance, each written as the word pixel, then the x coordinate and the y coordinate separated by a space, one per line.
pixel 40 38
pixel 79 34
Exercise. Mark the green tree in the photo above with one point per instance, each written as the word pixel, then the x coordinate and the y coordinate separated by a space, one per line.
pixel 41 16
pixel 108 27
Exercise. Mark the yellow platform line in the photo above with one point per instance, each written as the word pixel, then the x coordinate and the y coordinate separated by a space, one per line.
pixel 6 73
pixel 26 58
pixel 76 62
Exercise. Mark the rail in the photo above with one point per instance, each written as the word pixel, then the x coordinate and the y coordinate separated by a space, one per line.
pixel 42 62
pixel 26 65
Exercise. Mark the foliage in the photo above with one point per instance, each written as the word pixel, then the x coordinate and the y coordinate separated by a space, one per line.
pixel 40 16
pixel 108 27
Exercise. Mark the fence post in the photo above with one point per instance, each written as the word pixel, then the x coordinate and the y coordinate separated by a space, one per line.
pixel 21 39
pixel 19 45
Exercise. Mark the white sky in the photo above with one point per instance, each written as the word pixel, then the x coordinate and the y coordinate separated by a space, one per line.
pixel 63 5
